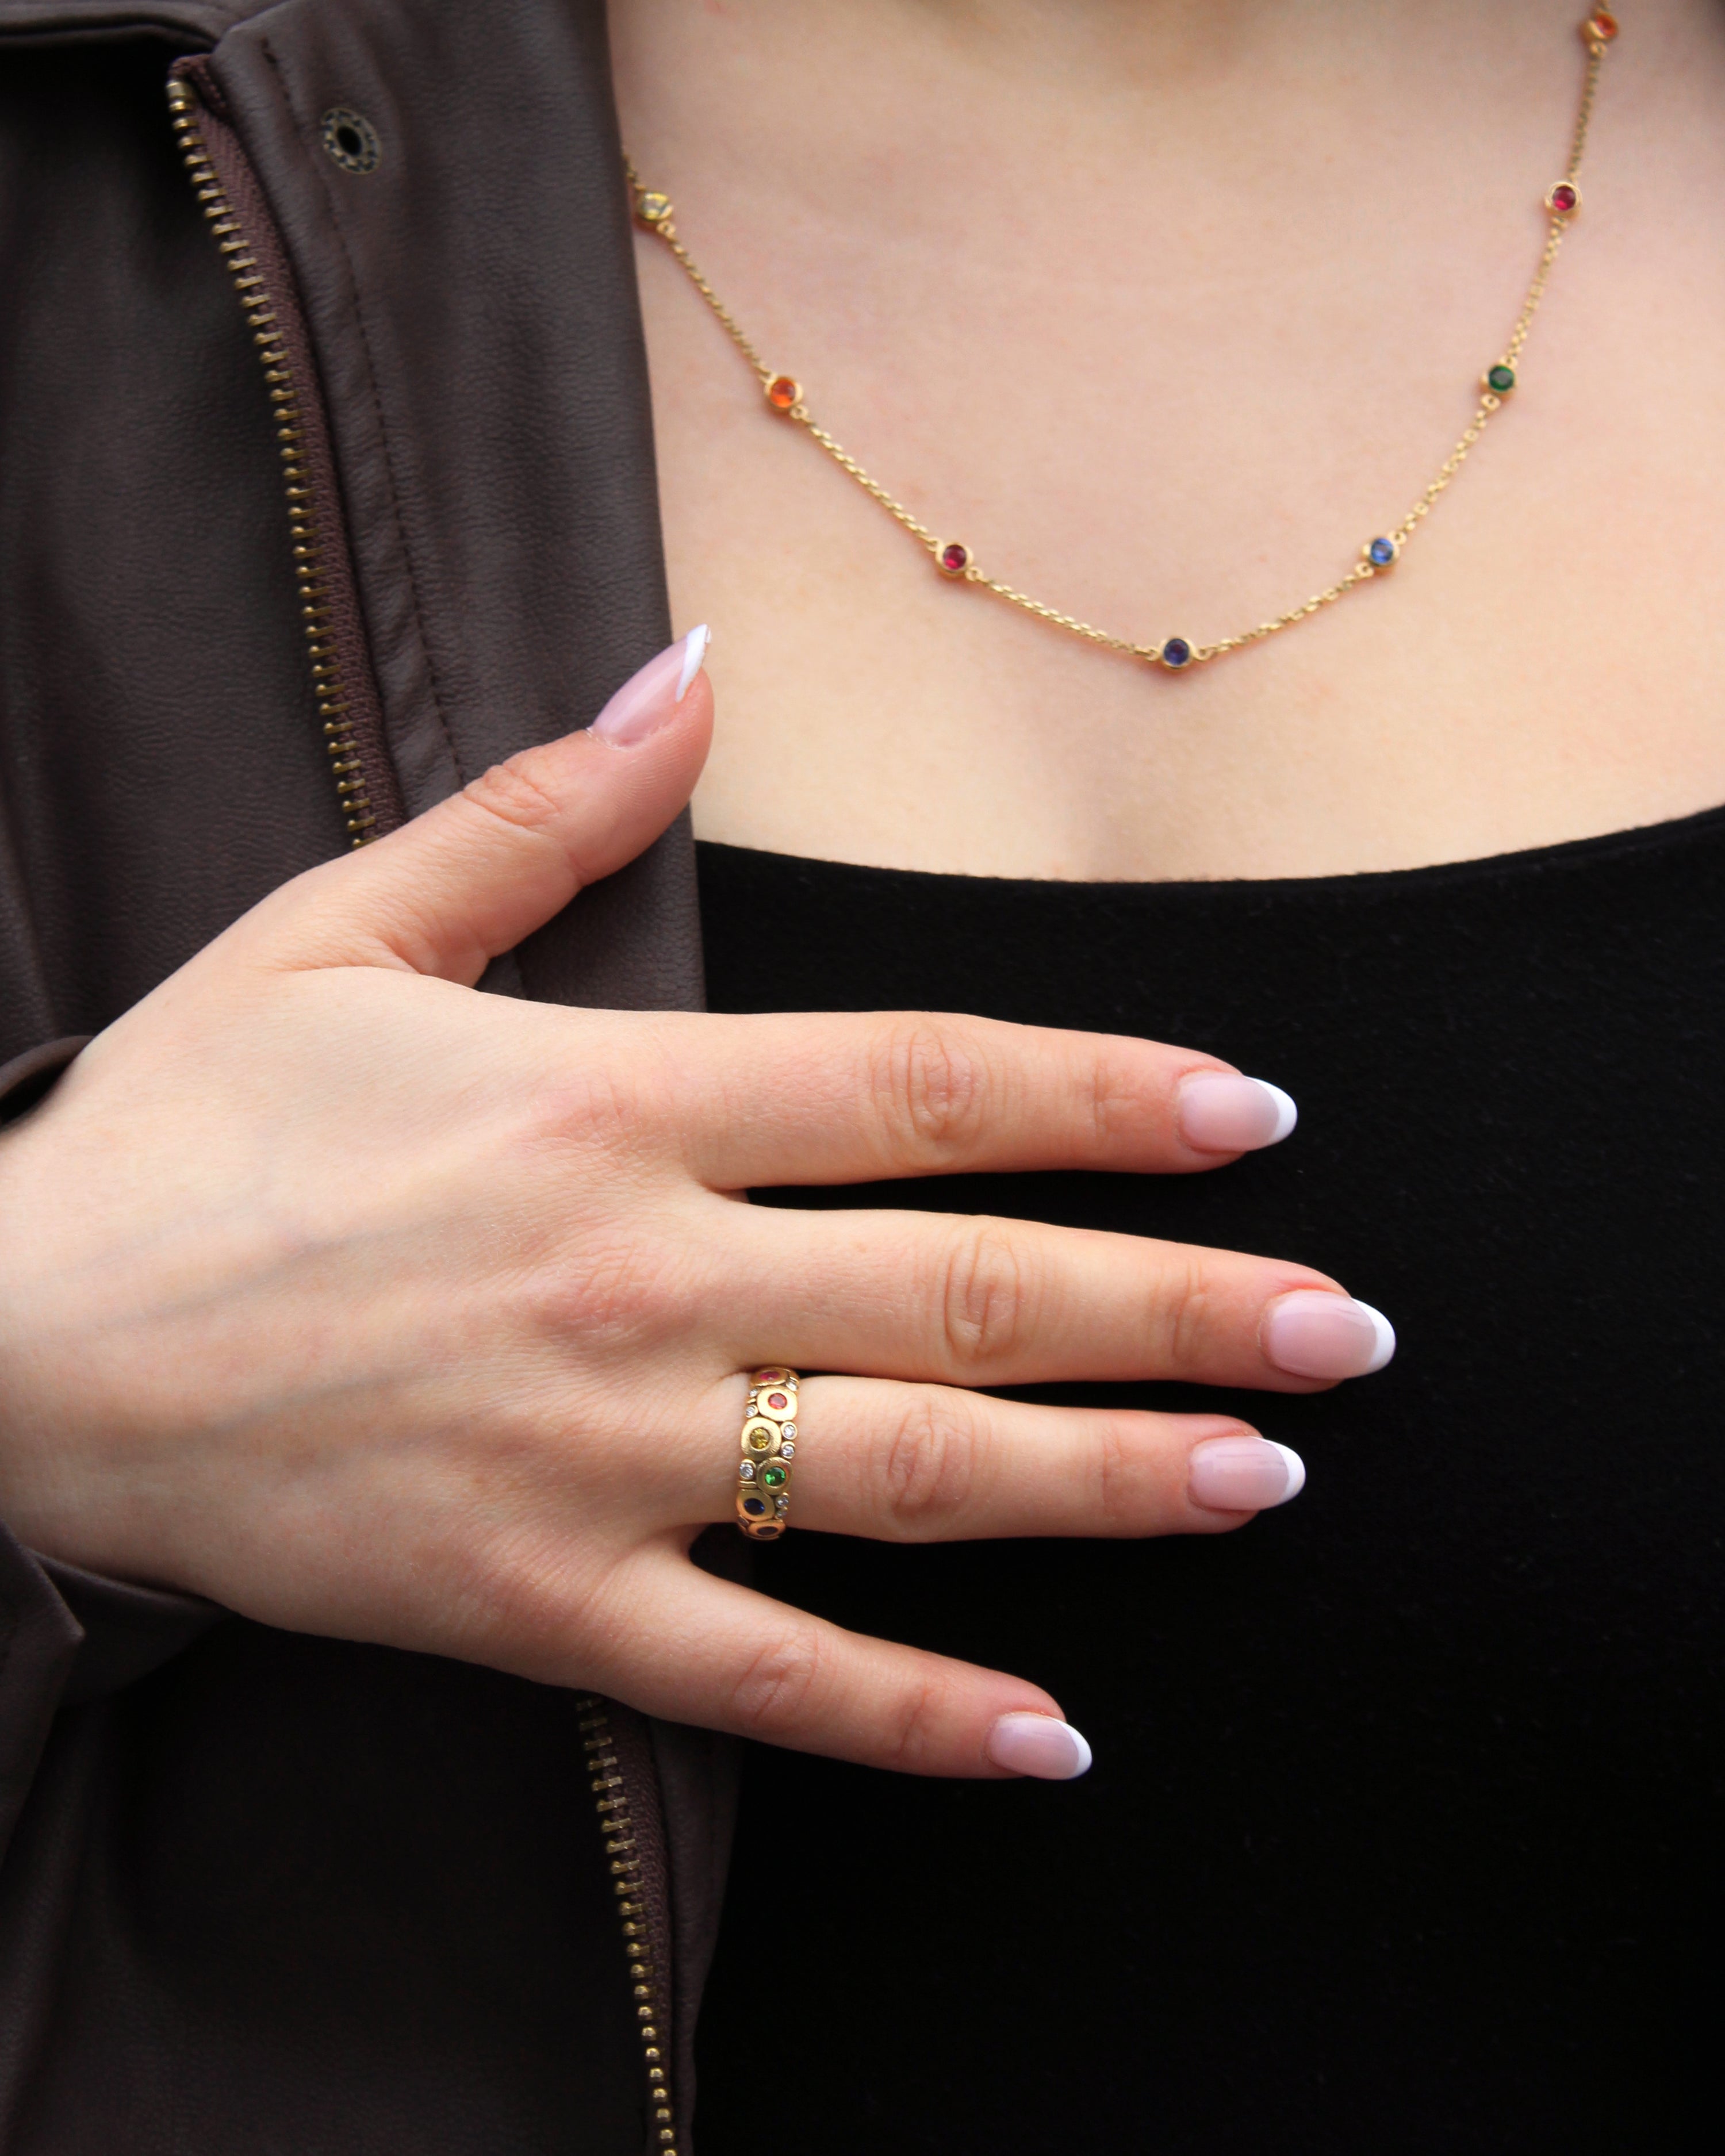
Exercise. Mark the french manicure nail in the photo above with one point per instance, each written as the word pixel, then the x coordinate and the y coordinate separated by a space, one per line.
pixel 1038 1745
pixel 1220 1112
pixel 648 699
pixel 1244 1473
pixel 1310 1334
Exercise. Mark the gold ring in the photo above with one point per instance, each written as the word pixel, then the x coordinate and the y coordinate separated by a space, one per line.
pixel 769 1445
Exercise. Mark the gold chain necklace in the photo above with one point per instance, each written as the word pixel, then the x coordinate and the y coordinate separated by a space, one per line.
pixel 954 559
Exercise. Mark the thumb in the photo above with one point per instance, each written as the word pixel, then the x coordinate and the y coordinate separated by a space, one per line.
pixel 467 880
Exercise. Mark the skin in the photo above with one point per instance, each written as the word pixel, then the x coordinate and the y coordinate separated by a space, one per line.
pixel 1165 306
pixel 370 1305
pixel 366 1304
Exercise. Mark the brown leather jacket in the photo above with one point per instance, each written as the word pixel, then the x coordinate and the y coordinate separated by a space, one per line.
pixel 325 479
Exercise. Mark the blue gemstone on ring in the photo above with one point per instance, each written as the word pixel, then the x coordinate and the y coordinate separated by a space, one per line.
pixel 754 1506
pixel 1177 652
pixel 1381 553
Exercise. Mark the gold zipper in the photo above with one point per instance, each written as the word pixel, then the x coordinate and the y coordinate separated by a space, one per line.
pixel 610 1789
pixel 326 669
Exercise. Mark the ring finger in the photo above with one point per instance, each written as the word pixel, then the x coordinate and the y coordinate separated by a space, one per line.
pixel 933 1463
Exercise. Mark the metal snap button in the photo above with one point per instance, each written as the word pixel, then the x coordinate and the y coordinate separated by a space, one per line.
pixel 351 140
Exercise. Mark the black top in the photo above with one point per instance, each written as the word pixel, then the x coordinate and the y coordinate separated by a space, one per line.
pixel 1403 1830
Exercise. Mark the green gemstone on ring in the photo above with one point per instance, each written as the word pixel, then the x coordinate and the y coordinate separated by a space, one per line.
pixel 1501 379
pixel 772 1476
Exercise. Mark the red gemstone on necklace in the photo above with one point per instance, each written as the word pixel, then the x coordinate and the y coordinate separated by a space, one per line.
pixel 954 559
pixel 1563 198
pixel 783 392
pixel 1601 25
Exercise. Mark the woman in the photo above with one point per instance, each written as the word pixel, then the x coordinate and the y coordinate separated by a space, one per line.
pixel 412 1326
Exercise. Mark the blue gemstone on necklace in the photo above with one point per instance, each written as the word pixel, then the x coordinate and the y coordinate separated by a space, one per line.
pixel 1381 553
pixel 1177 652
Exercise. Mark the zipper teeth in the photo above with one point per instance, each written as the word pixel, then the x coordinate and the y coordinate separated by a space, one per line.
pixel 302 512
pixel 611 1801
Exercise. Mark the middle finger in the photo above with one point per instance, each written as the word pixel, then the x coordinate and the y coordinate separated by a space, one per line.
pixel 975 1300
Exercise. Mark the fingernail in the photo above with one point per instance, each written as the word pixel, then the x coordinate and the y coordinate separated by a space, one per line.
pixel 1314 1335
pixel 648 699
pixel 1244 1473
pixel 1221 1112
pixel 1038 1745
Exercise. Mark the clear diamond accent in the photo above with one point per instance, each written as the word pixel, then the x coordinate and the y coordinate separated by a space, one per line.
pixel 747 1470
pixel 790 1430
pixel 788 1450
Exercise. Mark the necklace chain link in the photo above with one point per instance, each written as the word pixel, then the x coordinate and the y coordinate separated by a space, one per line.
pixel 784 396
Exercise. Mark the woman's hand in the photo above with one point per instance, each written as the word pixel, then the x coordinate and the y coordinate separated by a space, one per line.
pixel 367 1305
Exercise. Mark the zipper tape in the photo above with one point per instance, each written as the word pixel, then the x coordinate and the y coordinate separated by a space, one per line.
pixel 348 703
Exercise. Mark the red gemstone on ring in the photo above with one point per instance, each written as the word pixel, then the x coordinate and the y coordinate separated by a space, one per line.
pixel 777 1400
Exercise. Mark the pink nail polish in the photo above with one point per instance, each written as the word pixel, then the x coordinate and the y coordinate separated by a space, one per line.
pixel 648 699
pixel 1313 1335
pixel 1221 1112
pixel 1244 1473
pixel 1038 1745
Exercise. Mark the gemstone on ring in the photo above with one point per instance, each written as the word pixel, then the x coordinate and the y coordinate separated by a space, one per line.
pixel 788 1450
pixel 772 1477
pixel 755 1507
pixel 746 1470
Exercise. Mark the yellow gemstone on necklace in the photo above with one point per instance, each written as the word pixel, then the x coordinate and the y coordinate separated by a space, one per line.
pixel 655 209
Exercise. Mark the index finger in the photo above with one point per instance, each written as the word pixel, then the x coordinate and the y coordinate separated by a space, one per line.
pixel 862 1098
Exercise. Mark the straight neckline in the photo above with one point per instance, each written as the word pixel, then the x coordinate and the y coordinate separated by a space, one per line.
pixel 1563 852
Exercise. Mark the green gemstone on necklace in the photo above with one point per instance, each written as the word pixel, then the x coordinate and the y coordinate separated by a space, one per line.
pixel 1500 379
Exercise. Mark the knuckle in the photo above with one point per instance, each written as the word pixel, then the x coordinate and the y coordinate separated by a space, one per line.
pixel 1185 1311
pixel 1122 1488
pixel 773 1696
pixel 510 792
pixel 928 1462
pixel 918 1721
pixel 932 1090
pixel 622 1291
pixel 988 1295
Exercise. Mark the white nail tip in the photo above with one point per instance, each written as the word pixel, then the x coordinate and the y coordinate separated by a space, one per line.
pixel 1297 1471
pixel 1039 1746
pixel 1386 1337
pixel 695 646
pixel 1286 1114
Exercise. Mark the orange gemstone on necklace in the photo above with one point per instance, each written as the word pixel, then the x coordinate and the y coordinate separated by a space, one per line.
pixel 782 393
pixel 1600 27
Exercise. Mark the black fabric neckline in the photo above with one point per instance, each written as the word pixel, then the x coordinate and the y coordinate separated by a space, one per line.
pixel 1565 853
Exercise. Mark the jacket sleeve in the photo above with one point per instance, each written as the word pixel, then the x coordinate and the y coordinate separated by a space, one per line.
pixel 66 1635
